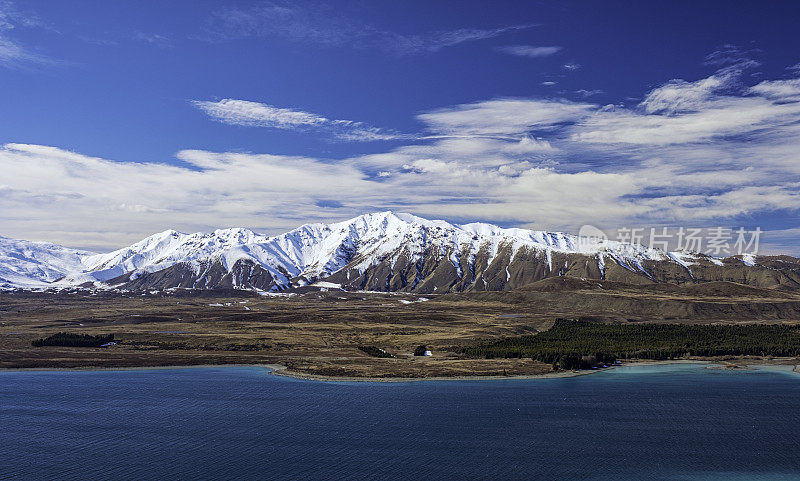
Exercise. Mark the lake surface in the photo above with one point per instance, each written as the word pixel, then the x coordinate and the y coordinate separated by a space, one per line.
pixel 672 422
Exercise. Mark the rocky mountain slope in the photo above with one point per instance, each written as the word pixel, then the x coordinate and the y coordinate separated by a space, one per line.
pixel 384 251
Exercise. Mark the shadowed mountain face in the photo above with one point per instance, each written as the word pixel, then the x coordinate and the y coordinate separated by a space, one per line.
pixel 434 272
pixel 379 252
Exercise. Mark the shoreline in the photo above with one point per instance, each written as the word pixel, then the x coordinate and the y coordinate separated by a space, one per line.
pixel 316 377
pixel 272 367
pixel 283 371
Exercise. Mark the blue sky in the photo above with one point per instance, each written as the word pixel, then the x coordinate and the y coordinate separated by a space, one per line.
pixel 120 119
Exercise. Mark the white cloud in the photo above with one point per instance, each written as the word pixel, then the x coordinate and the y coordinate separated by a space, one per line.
pixel 710 108
pixel 717 119
pixel 529 51
pixel 255 114
pixel 504 116
pixel 704 152
pixel 572 66
pixel 681 96
pixel 778 89
pixel 732 56
pixel 589 93
pixel 55 191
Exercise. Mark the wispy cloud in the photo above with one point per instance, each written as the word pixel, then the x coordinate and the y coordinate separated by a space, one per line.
pixel 152 39
pixel 12 53
pixel 572 66
pixel 325 26
pixel 256 114
pixel 11 17
pixel 436 41
pixel 732 55
pixel 504 117
pixel 103 42
pixel 785 90
pixel 707 109
pixel 702 152
pixel 529 51
pixel 588 93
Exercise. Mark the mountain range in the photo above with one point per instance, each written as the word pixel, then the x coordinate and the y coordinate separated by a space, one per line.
pixel 384 251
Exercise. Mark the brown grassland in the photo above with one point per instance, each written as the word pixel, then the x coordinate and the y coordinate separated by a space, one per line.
pixel 318 333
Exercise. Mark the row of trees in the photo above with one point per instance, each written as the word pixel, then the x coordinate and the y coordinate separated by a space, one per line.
pixel 374 351
pixel 571 343
pixel 73 340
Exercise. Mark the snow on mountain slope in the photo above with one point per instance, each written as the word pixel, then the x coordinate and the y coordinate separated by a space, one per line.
pixel 356 250
pixel 168 248
pixel 381 234
pixel 36 264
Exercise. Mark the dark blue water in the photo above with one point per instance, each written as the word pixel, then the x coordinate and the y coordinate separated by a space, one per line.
pixel 669 422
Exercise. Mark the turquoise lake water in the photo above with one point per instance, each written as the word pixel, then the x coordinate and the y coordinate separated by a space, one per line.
pixel 672 422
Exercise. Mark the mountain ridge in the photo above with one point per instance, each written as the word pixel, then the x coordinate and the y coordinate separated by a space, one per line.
pixel 384 251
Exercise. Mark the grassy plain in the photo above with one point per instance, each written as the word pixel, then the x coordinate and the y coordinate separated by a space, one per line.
pixel 319 333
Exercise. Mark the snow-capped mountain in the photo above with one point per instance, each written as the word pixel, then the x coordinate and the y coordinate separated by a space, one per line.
pixel 36 264
pixel 384 251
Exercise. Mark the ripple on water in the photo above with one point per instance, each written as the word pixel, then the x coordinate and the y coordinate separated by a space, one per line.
pixel 673 422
